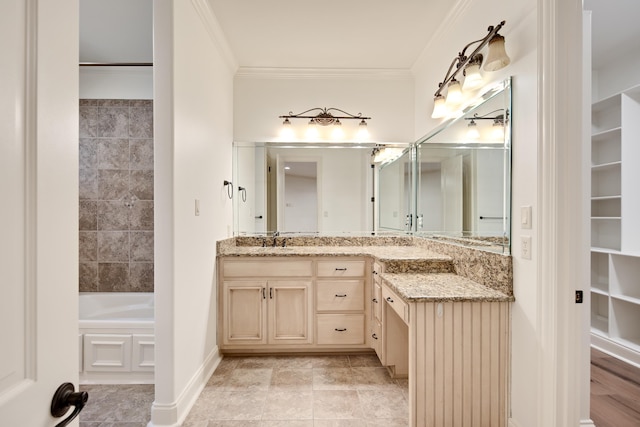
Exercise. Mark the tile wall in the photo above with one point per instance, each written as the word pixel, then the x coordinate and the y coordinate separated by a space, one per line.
pixel 116 195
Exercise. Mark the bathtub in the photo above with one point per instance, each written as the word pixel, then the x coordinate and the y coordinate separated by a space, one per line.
pixel 116 338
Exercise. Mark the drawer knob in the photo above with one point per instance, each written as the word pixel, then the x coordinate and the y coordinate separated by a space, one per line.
pixel 374 336
pixel 389 299
pixel 341 329
pixel 341 295
pixel 375 300
pixel 341 269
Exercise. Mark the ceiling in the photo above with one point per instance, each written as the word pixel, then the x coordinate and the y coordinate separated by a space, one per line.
pixel 333 34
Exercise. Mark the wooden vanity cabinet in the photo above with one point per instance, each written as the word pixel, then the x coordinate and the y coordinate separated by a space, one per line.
pixel 276 309
pixel 287 303
pixel 340 302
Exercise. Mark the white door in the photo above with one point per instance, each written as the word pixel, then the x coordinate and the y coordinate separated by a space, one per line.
pixel 451 180
pixel 38 207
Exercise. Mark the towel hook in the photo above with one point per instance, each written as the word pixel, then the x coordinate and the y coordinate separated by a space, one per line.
pixel 229 186
pixel 243 191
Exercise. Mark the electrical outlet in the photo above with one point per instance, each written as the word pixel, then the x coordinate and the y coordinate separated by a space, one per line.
pixel 525 247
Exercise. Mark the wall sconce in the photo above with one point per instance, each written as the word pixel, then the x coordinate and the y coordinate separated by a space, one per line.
pixel 470 66
pixel 324 117
pixel 497 128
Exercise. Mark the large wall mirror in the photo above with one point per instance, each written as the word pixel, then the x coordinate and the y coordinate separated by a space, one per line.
pixel 453 184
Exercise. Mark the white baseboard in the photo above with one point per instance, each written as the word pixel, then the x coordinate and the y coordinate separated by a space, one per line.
pixel 174 414
pixel 587 423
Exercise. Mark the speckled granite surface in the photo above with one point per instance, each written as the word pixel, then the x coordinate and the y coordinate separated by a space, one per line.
pixel 431 267
pixel 444 287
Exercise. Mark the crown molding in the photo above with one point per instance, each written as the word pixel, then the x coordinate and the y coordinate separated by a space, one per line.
pixel 323 73
pixel 212 26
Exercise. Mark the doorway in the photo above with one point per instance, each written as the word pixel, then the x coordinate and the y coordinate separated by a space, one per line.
pixel 299 203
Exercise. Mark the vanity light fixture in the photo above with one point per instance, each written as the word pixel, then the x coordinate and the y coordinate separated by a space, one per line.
pixel 325 117
pixel 498 124
pixel 469 65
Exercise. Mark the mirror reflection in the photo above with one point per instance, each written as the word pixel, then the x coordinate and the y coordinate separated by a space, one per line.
pixel 453 184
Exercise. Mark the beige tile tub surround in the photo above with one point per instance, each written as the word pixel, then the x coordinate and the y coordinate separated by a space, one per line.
pixel 116 195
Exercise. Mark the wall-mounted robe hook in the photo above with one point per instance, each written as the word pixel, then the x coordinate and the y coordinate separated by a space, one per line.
pixel 229 186
pixel 243 192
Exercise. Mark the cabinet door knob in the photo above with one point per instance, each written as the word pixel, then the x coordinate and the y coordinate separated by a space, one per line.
pixel 341 329
pixel 375 300
pixel 374 336
pixel 264 293
pixel 389 299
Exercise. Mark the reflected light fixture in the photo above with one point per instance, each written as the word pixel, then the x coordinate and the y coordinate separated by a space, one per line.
pixel 325 117
pixel 497 131
pixel 472 130
pixel 470 66
pixel 287 130
pixel 384 154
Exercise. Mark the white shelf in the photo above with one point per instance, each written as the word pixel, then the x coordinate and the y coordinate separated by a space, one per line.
pixel 615 230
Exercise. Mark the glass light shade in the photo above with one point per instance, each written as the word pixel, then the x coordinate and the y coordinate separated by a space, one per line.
pixel 363 131
pixel 472 130
pixel 497 57
pixel 473 78
pixel 312 132
pixel 454 94
pixel 337 132
pixel 286 132
pixel 439 108
pixel 497 132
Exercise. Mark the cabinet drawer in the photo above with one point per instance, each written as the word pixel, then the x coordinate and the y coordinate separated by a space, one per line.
pixel 395 302
pixel 337 268
pixel 340 295
pixel 377 302
pixel 377 268
pixel 340 328
pixel 267 268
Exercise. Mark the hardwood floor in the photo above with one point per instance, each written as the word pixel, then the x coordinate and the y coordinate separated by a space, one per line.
pixel 615 392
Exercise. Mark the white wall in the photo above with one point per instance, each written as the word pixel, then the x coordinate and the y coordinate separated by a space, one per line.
pixel 116 82
pixel 521 37
pixel 260 97
pixel 621 74
pixel 193 106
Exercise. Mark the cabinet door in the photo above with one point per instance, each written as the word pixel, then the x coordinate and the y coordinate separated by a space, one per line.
pixel 245 312
pixel 290 312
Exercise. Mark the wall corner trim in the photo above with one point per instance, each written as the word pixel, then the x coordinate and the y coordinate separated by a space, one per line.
pixel 212 26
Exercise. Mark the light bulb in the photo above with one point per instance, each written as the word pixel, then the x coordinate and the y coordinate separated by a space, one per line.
pixel 454 94
pixel 472 131
pixel 363 131
pixel 472 76
pixel 497 57
pixel 337 132
pixel 312 132
pixel 439 108
pixel 286 132
pixel 498 130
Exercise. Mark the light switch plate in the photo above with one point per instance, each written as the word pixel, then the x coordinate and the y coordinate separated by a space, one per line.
pixel 525 217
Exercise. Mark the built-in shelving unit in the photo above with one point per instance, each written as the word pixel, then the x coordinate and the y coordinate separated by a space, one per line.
pixel 615 225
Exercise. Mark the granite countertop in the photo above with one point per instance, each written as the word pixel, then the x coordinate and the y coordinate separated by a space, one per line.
pixel 416 273
pixel 440 287
pixel 382 253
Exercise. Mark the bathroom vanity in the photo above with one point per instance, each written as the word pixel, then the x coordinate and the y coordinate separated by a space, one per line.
pixel 434 312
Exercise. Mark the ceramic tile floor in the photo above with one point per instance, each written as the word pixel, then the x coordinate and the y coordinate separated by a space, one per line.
pixel 301 391
pixel 270 391
pixel 119 405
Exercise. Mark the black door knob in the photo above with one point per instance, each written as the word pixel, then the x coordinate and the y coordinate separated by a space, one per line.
pixel 64 398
